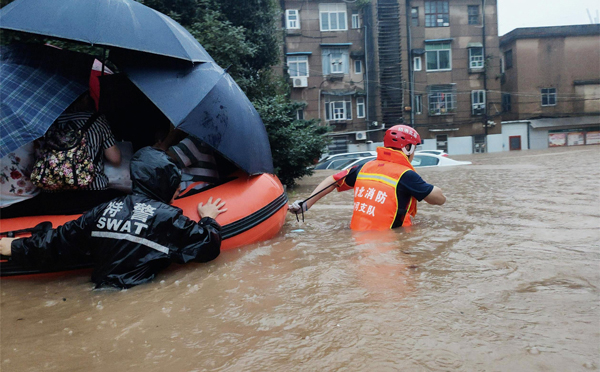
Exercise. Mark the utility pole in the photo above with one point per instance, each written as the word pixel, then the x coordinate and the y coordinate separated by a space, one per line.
pixel 485 66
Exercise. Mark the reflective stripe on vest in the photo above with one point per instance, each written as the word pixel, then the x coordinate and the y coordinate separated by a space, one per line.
pixel 375 200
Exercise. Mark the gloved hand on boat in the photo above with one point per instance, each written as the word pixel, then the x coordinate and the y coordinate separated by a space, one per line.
pixel 299 206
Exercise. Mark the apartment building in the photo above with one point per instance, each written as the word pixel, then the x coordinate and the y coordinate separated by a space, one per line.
pixel 362 67
pixel 453 88
pixel 551 86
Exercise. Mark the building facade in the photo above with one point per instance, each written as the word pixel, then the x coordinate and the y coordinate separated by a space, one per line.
pixel 362 67
pixel 551 86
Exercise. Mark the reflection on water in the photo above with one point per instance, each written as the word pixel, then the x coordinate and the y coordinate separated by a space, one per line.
pixel 504 277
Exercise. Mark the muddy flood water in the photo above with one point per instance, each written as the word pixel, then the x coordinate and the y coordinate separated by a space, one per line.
pixel 503 277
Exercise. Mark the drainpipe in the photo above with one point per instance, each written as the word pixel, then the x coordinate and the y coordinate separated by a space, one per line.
pixel 411 75
pixel 485 113
pixel 284 34
pixel 366 79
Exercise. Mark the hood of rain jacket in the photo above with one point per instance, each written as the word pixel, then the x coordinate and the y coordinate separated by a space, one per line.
pixel 154 174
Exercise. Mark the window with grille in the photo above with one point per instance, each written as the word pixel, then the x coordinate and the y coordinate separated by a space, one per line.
pixel 417 66
pixel 418 104
pixel 297 66
pixel 335 61
pixel 437 14
pixel 357 66
pixel 548 96
pixel 292 19
pixel 506 102
pixel 414 16
pixel 476 59
pixel 473 11
pixel 508 59
pixel 439 56
pixel 478 102
pixel 442 99
pixel 360 107
pixel 338 109
pixel 355 20
pixel 333 17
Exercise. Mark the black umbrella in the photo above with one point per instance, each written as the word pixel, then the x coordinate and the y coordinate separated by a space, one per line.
pixel 123 24
pixel 203 100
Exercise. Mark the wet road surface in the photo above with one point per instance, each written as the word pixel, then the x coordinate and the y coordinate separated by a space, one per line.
pixel 503 277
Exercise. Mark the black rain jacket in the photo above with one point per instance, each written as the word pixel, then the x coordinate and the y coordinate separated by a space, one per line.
pixel 131 238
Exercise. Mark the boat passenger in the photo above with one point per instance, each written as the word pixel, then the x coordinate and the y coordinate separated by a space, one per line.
pixel 133 237
pixel 15 169
pixel 195 159
pixel 102 145
pixel 386 190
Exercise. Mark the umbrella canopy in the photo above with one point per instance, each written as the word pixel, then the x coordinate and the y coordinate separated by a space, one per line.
pixel 205 101
pixel 38 84
pixel 124 24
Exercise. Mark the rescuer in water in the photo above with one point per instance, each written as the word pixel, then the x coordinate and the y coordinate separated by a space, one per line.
pixel 386 190
pixel 130 239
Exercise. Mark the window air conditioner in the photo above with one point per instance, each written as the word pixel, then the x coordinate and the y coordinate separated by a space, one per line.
pixel 300 82
pixel 361 135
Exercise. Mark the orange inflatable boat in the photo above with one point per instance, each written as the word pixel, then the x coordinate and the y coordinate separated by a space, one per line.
pixel 256 211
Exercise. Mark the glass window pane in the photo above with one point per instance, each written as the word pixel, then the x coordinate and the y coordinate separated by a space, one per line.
pixel 432 63
pixel 325 21
pixel 444 59
pixel 302 69
pixel 342 20
pixel 293 69
pixel 333 20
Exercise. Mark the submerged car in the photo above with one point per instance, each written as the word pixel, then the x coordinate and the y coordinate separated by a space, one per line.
pixel 420 160
pixel 433 152
pixel 336 160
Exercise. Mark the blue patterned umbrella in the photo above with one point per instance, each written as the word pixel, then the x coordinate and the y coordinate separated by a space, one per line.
pixel 38 84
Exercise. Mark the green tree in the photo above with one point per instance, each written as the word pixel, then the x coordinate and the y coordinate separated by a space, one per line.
pixel 295 144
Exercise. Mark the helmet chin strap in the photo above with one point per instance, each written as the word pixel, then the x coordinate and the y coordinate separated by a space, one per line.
pixel 408 152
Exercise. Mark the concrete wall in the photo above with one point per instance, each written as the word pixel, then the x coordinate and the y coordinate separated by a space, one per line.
pixel 518 129
pixel 539 139
pixel 460 145
pixel 495 143
pixel 429 144
pixel 352 147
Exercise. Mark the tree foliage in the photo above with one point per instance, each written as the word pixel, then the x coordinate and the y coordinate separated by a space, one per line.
pixel 295 144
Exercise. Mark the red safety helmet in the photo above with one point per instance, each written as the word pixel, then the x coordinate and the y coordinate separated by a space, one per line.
pixel 398 136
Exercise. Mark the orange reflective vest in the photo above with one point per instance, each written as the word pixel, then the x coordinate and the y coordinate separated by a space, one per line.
pixel 375 201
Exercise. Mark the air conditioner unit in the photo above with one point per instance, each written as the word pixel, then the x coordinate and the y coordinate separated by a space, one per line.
pixel 300 82
pixel 361 135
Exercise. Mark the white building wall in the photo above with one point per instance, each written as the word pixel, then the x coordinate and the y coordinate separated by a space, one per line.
pixel 514 129
pixel 539 139
pixel 460 145
pixel 494 143
pixel 428 144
